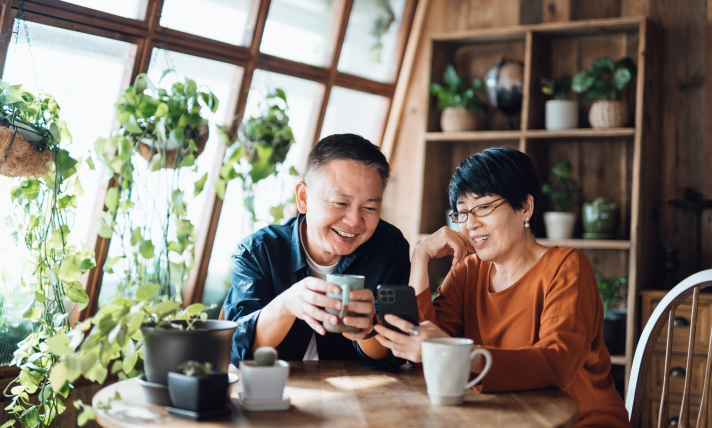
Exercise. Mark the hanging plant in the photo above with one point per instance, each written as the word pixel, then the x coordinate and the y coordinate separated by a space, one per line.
pixel 42 215
pixel 258 151
pixel 29 128
pixel 169 127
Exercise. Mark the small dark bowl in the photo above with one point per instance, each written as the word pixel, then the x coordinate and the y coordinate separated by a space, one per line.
pixel 198 394
pixel 155 393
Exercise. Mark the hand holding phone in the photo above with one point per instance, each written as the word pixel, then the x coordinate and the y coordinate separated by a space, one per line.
pixel 398 300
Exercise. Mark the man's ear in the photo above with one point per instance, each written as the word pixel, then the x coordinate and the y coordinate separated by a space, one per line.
pixel 301 193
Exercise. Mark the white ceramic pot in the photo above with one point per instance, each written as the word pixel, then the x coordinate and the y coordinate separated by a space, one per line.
pixel 559 225
pixel 263 382
pixel 561 114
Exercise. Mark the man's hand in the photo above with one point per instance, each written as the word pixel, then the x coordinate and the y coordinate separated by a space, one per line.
pixel 361 302
pixel 306 299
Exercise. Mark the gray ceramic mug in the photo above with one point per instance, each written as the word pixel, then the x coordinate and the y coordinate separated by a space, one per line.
pixel 347 284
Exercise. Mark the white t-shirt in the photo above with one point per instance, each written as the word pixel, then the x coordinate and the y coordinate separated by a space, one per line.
pixel 320 272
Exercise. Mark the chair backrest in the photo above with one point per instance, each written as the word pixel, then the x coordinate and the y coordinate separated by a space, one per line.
pixel 222 313
pixel 664 314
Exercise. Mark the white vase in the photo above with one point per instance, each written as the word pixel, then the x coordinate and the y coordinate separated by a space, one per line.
pixel 263 382
pixel 561 114
pixel 559 225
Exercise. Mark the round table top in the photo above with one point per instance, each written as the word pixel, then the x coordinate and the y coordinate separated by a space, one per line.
pixel 352 394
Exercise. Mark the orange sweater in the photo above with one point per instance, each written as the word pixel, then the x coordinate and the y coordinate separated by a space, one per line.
pixel 544 331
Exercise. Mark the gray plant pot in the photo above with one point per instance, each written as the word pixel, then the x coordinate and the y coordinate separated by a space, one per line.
pixel 166 349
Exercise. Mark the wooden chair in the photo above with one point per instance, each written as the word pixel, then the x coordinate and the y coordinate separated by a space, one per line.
pixel 664 314
pixel 222 313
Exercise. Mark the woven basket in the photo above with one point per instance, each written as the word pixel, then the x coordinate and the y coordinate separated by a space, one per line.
pixel 608 114
pixel 22 160
pixel 147 151
pixel 455 119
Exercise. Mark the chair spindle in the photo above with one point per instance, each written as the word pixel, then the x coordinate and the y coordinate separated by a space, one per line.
pixel 663 413
pixel 685 408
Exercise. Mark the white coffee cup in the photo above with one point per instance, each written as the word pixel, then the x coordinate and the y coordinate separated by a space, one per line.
pixel 446 364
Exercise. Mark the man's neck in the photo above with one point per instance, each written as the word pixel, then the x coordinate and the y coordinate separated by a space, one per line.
pixel 319 256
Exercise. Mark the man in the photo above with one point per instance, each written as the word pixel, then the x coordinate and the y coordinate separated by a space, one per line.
pixel 278 273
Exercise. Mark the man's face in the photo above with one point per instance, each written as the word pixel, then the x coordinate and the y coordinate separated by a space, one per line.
pixel 342 202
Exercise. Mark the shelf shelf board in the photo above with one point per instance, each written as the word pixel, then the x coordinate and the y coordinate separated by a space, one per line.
pixel 589 244
pixel 532 134
pixel 473 136
pixel 580 133
pixel 618 360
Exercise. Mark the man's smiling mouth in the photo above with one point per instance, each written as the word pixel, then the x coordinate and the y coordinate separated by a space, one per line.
pixel 344 234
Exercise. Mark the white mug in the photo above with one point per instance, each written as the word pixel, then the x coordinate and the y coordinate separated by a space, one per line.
pixel 446 364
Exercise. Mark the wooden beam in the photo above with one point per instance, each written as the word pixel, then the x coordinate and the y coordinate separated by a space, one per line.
pixel 556 11
pixel 336 43
pixel 196 285
pixel 7 20
pixel 707 187
pixel 391 132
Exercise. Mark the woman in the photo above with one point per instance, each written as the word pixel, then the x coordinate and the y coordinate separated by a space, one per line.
pixel 536 309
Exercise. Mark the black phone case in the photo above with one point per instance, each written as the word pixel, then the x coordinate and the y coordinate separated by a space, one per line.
pixel 398 300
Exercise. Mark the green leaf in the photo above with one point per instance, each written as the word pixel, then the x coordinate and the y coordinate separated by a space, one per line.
pixel 30 189
pixel 76 294
pixel 126 148
pixel 59 345
pixel 132 126
pixel 602 65
pixel 277 213
pixel 31 417
pixel 66 165
pixel 8 424
pixel 146 249
pixel 621 77
pixel 165 308
pixel 106 225
pixel 130 356
pixel 195 309
pixel 451 78
pixel 220 187
pixel 147 291
pixel 165 73
pixel 58 376
pixel 111 262
pixel 68 271
pixel 111 200
pixel 262 168
pixel 32 312
pixel 90 162
pixel 293 171
pixel 187 161
pixel 161 110
pixel 200 184
pixel 136 236
pixel 177 134
pixel 583 80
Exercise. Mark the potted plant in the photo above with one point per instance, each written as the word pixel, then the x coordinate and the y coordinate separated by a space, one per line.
pixel 602 82
pixel 29 129
pixel 264 377
pixel 564 194
pixel 561 113
pixel 258 151
pixel 198 388
pixel 459 103
pixel 612 291
pixel 169 128
pixel 600 219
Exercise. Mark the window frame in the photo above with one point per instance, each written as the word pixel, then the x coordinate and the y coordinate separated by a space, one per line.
pixel 146 34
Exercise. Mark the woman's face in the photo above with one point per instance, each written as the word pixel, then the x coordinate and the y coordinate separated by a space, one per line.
pixel 495 235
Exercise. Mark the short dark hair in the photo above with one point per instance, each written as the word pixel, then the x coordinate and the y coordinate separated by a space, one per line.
pixel 498 171
pixel 347 147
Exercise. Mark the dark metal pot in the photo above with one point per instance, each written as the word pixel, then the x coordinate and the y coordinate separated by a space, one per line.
pixel 166 349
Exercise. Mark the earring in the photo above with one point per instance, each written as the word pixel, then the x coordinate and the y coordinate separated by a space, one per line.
pixel 526 222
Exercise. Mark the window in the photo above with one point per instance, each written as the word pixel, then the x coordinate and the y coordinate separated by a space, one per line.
pixel 134 9
pixel 85 74
pixel 303 99
pixel 355 112
pixel 222 20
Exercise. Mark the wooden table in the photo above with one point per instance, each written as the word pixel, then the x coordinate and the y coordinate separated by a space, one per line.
pixel 339 394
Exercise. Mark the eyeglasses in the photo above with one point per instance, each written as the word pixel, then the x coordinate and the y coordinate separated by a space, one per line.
pixel 478 211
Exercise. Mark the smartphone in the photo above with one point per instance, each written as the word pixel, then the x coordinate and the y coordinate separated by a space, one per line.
pixel 398 300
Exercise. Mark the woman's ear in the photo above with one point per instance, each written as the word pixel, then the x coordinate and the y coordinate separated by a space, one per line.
pixel 528 208
pixel 301 194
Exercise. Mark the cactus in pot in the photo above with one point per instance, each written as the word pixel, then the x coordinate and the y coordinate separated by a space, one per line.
pixel 265 356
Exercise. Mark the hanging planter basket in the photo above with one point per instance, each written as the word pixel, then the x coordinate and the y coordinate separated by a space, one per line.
pixel 19 158
pixel 147 148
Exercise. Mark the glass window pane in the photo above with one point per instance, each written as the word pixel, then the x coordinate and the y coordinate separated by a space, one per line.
pixel 355 112
pixel 303 97
pixel 89 65
pixel 371 38
pixel 126 8
pixel 222 20
pixel 153 189
pixel 299 30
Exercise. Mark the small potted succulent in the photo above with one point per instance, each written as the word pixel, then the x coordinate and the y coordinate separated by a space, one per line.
pixel 169 128
pixel 198 388
pixel 458 102
pixel 564 194
pixel 602 82
pixel 264 377
pixel 612 291
pixel 600 219
pixel 561 113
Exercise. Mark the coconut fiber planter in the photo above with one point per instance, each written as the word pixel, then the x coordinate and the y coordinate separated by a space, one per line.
pixel 146 147
pixel 18 158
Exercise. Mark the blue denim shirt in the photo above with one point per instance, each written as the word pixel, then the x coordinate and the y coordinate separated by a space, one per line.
pixel 271 260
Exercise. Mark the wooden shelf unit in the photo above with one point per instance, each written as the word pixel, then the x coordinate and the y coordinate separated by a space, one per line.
pixel 607 162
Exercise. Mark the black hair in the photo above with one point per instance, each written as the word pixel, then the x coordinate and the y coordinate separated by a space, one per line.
pixel 347 147
pixel 497 171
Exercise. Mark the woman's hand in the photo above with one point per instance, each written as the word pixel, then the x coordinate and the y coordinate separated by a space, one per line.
pixel 444 242
pixel 404 345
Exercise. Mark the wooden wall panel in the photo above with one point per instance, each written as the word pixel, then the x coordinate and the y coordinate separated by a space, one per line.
pixel 682 104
